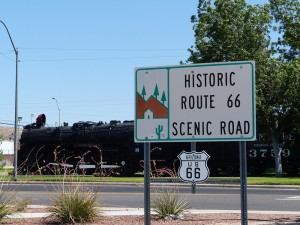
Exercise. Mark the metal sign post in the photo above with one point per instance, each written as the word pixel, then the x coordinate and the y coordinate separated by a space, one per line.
pixel 243 181
pixel 193 148
pixel 147 183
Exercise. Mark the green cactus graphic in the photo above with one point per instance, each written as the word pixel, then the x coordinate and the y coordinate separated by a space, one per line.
pixel 158 130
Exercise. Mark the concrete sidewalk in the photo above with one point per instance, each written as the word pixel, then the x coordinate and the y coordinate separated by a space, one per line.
pixel 114 211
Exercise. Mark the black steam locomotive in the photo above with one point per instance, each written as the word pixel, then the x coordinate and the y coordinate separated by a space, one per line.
pixel 89 147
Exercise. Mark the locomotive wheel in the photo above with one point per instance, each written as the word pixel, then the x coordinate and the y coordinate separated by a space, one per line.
pixel 255 169
pixel 290 170
pixel 127 166
pixel 213 172
pixel 232 170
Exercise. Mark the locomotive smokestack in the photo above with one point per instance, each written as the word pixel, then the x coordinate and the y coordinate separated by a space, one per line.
pixel 41 120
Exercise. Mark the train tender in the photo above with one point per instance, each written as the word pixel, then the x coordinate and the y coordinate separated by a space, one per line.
pixel 90 147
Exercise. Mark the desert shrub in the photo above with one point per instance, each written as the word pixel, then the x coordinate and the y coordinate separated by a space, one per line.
pixel 21 204
pixel 167 203
pixel 9 204
pixel 75 204
pixel 5 204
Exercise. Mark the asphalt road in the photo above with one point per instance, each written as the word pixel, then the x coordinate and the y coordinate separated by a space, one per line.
pixel 214 197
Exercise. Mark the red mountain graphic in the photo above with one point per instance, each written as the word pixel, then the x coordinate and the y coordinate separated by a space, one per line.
pixel 158 109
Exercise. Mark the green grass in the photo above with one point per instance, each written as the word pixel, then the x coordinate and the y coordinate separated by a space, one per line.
pixel 273 180
pixel 6 169
pixel 80 178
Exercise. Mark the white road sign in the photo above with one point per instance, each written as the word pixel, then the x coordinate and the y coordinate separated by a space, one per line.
pixel 193 166
pixel 198 102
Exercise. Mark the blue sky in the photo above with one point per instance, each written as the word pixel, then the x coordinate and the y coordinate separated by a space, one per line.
pixel 83 53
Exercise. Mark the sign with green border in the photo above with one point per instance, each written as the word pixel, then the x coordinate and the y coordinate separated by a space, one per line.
pixel 197 102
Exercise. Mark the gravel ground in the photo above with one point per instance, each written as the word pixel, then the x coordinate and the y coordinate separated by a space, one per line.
pixel 192 219
pixel 188 219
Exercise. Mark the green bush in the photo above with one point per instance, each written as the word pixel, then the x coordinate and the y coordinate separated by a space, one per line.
pixel 167 203
pixel 75 204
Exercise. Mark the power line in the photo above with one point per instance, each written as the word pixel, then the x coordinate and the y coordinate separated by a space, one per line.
pixel 96 59
pixel 7 52
pixel 103 49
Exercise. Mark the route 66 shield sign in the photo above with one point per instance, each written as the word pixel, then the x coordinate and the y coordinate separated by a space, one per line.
pixel 193 166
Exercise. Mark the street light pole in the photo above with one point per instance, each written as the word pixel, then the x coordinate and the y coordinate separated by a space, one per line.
pixel 31 118
pixel 16 108
pixel 58 111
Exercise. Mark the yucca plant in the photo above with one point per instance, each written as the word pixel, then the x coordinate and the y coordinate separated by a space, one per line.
pixel 167 203
pixel 5 205
pixel 73 205
pixel 21 204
